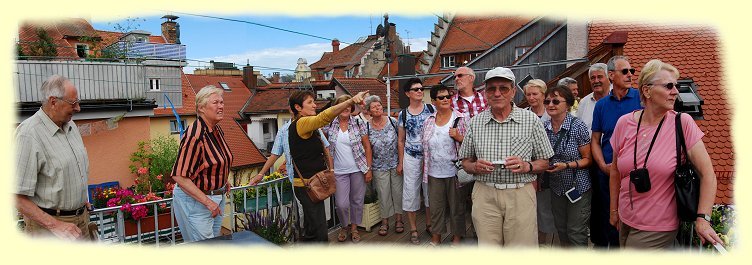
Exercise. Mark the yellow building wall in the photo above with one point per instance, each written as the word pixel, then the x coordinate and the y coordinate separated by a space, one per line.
pixel 161 126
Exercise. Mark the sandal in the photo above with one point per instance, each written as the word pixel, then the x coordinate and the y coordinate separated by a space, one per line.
pixel 342 236
pixel 414 237
pixel 383 229
pixel 428 228
pixel 355 236
pixel 399 227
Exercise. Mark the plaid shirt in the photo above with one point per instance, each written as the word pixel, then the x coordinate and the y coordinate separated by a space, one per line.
pixel 356 129
pixel 576 135
pixel 473 108
pixel 428 127
pixel 520 134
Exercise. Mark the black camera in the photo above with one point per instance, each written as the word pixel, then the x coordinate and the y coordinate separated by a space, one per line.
pixel 641 179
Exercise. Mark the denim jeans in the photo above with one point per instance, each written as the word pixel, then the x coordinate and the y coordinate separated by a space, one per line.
pixel 194 219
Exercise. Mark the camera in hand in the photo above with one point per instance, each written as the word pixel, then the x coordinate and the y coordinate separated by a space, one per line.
pixel 641 179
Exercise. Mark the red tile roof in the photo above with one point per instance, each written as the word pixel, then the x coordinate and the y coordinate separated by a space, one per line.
pixel 269 101
pixel 464 32
pixel 28 33
pixel 189 101
pixel 346 57
pixel 695 51
pixel 244 151
pixel 373 85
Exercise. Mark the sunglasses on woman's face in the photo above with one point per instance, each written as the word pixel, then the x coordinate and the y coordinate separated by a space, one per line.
pixel 668 86
pixel 416 89
pixel 443 97
pixel 555 101
pixel 625 70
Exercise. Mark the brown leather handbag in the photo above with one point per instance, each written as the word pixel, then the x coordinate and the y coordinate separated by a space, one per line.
pixel 321 185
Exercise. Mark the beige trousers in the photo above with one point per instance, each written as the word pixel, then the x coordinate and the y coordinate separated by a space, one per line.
pixel 505 217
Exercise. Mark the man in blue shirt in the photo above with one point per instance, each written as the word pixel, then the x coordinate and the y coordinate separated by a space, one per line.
pixel 622 100
pixel 282 146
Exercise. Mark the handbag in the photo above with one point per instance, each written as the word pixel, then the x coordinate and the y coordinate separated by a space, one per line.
pixel 321 185
pixel 686 179
pixel 462 176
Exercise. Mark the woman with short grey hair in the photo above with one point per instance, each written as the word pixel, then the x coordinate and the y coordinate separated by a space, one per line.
pixel 382 132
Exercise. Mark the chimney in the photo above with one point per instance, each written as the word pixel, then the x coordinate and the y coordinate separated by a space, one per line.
pixel 335 45
pixel 249 78
pixel 275 77
pixel 171 29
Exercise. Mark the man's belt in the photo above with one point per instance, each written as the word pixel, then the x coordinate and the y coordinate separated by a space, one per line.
pixel 505 186
pixel 58 212
pixel 214 192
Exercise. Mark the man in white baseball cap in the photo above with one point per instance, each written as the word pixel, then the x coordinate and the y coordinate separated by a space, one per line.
pixel 505 147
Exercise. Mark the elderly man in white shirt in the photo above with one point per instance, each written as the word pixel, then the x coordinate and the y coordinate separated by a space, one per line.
pixel 601 85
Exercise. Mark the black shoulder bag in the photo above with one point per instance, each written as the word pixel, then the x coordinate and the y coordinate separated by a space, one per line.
pixel 686 179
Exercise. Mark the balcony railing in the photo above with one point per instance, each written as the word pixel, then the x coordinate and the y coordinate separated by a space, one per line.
pixel 147 50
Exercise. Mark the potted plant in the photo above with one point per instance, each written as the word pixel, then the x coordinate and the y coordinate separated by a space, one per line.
pixel 371 209
pixel 271 226
pixel 134 214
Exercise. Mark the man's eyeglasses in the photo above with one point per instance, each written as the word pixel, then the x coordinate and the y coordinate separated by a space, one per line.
pixel 625 70
pixel 503 89
pixel 443 97
pixel 548 101
pixel 75 102
pixel 460 75
pixel 668 86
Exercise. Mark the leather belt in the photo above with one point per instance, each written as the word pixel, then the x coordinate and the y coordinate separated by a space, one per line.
pixel 214 192
pixel 505 186
pixel 58 212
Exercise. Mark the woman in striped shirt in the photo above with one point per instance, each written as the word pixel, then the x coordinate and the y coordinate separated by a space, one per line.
pixel 201 170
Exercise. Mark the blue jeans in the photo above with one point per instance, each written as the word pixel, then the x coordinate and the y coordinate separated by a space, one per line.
pixel 194 219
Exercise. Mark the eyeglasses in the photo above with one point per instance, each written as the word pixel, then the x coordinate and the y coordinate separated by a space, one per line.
pixel 416 89
pixel 75 102
pixel 555 101
pixel 443 97
pixel 503 89
pixel 625 70
pixel 668 86
pixel 460 75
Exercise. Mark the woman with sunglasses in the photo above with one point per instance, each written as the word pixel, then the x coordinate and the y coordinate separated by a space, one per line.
pixel 442 134
pixel 644 143
pixel 570 180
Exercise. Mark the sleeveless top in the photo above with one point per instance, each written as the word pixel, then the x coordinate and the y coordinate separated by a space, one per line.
pixel 307 154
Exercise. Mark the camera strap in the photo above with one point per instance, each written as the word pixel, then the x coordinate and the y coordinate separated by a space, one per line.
pixel 637 136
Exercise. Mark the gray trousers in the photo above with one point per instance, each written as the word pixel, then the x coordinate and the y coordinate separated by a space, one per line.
pixel 446 203
pixel 572 219
pixel 389 189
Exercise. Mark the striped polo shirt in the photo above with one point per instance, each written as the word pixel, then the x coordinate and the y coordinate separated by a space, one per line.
pixel 204 156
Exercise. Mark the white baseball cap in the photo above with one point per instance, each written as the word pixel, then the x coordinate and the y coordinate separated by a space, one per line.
pixel 499 72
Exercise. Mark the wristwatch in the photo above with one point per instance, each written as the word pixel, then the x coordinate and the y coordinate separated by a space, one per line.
pixel 704 216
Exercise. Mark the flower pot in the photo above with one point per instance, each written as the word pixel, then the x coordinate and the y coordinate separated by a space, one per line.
pixel 147 224
pixel 371 215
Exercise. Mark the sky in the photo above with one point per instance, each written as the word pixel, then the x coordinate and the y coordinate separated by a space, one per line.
pixel 238 42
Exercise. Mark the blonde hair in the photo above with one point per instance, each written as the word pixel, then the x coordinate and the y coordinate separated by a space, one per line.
pixel 648 72
pixel 343 98
pixel 203 95
pixel 536 83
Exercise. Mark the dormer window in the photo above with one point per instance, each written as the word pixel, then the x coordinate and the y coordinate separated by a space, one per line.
pixel 224 86
pixel 689 101
pixel 82 50
pixel 447 61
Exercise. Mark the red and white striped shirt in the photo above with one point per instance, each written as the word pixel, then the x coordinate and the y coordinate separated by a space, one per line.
pixel 477 105
pixel 204 156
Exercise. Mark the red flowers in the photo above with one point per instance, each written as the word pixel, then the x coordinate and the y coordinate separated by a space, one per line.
pixel 126 197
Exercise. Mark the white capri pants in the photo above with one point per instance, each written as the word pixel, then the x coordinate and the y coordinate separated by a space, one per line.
pixel 412 171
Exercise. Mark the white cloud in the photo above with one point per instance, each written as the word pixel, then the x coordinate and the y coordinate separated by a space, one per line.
pixel 284 57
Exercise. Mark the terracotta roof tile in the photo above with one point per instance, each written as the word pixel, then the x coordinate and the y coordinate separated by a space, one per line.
pixel 349 55
pixel 464 32
pixel 373 85
pixel 273 100
pixel 695 51
pixel 245 152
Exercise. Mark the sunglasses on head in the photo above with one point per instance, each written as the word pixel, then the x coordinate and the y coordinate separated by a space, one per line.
pixel 625 70
pixel 555 101
pixel 668 86
pixel 443 97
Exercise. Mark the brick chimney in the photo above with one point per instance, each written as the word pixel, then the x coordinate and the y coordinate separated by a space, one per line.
pixel 249 78
pixel 275 77
pixel 335 45
pixel 171 29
